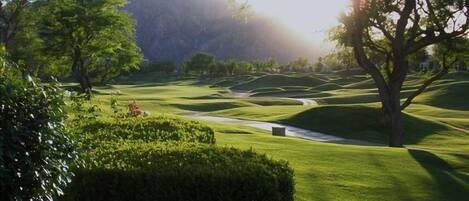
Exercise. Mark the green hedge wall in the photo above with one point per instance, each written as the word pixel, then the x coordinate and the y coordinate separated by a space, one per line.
pixel 156 129
pixel 179 172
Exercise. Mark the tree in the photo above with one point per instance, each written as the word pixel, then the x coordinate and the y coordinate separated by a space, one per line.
pixel 301 64
pixel 93 36
pixel 200 62
pixel 418 58
pixel 230 66
pixel 11 12
pixel 398 29
pixel 318 66
pixel 272 65
pixel 346 59
pixel 18 33
pixel 452 52
pixel 259 66
pixel 166 66
pixel 243 67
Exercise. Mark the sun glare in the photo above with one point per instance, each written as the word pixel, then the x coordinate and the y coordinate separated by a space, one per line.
pixel 310 18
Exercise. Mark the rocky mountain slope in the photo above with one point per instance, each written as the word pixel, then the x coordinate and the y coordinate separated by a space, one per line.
pixel 175 29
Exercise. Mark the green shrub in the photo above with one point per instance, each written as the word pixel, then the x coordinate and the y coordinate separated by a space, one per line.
pixel 35 153
pixel 156 129
pixel 187 172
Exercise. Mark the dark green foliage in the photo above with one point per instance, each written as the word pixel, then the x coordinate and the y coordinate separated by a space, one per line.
pixel 35 153
pixel 167 67
pixel 157 129
pixel 200 62
pixel 188 172
pixel 95 38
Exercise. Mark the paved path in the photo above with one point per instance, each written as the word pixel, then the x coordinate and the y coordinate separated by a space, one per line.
pixel 306 102
pixel 291 131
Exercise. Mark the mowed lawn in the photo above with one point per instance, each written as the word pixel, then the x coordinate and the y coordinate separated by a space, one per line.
pixel 343 172
pixel 434 167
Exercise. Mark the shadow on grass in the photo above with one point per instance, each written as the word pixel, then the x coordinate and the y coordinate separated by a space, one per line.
pixel 453 185
pixel 209 107
pixel 210 97
pixel 361 123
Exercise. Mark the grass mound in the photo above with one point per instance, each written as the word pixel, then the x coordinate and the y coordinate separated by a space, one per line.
pixel 453 95
pixel 151 172
pixel 351 99
pixel 211 106
pixel 370 127
pixel 350 73
pixel 279 81
pixel 366 84
pixel 273 101
pixel 267 89
pixel 225 83
pixel 285 93
pixel 328 87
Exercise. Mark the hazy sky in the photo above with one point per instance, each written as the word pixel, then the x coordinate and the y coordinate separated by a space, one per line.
pixel 310 18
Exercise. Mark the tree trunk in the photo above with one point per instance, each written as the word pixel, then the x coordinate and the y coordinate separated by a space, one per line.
pixel 80 74
pixel 396 138
pixel 392 118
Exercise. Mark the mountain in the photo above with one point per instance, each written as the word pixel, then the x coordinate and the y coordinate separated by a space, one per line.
pixel 175 29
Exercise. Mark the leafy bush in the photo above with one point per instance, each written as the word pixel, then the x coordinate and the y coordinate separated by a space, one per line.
pixel 35 153
pixel 150 172
pixel 156 129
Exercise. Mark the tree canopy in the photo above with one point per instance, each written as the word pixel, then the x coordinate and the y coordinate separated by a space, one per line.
pixel 95 37
pixel 398 29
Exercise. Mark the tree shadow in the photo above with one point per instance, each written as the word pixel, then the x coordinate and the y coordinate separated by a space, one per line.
pixel 366 124
pixel 452 184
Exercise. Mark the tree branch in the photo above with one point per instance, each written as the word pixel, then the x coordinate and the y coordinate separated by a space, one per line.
pixel 430 81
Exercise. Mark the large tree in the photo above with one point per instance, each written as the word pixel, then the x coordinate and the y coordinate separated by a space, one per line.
pixel 200 62
pixel 11 12
pixel 94 36
pixel 398 29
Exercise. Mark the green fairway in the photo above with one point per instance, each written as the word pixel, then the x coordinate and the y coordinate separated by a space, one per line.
pixel 433 167
pixel 343 172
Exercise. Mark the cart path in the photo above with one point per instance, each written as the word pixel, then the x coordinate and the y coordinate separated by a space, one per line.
pixel 291 131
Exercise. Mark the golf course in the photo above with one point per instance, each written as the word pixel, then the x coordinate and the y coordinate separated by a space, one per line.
pixel 234 100
pixel 434 165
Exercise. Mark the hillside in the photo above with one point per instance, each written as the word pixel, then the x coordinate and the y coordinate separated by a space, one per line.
pixel 173 30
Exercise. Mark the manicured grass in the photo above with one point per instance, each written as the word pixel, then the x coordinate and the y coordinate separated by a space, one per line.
pixel 343 172
pixel 279 81
pixel 363 122
pixel 337 172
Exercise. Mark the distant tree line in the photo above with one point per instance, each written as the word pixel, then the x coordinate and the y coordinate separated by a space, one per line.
pixel 430 59
pixel 205 64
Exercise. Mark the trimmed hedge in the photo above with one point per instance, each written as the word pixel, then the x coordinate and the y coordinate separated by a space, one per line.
pixel 187 172
pixel 156 129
